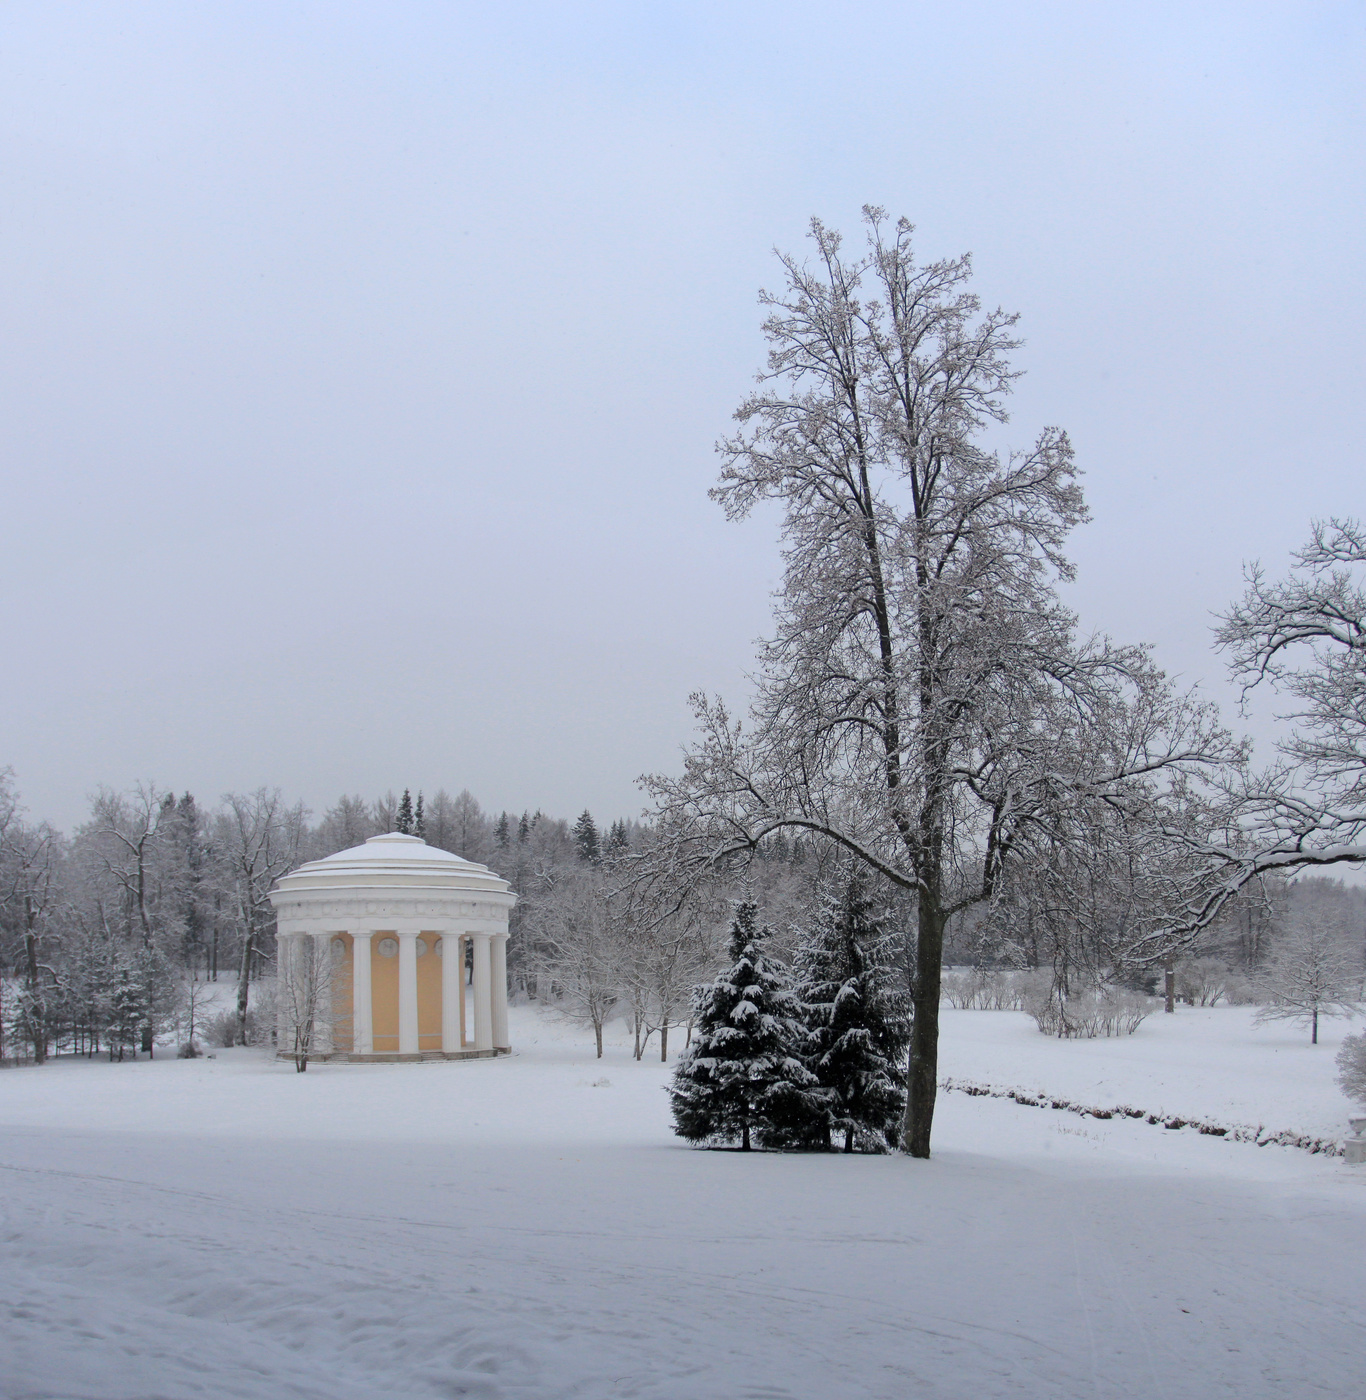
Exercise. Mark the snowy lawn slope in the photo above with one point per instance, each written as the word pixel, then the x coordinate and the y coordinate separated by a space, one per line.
pixel 1212 1063
pixel 528 1227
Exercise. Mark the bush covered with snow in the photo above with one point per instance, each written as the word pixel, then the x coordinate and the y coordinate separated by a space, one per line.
pixel 977 989
pixel 221 1029
pixel 1086 1015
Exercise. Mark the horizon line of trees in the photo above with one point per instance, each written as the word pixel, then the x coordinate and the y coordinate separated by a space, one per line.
pixel 101 929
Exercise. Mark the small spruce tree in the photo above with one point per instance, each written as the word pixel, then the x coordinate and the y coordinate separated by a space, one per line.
pixel 419 819
pixel 742 1078
pixel 858 1023
pixel 500 832
pixel 523 829
pixel 404 824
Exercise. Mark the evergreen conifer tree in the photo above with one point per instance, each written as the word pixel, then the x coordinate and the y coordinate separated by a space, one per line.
pixel 419 819
pixel 500 831
pixel 523 829
pixel 404 824
pixel 618 839
pixel 858 1023
pixel 586 834
pixel 742 1077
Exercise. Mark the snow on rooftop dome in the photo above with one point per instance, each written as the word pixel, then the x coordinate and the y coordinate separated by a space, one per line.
pixel 390 860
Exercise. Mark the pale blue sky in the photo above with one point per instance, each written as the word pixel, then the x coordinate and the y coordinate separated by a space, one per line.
pixel 360 364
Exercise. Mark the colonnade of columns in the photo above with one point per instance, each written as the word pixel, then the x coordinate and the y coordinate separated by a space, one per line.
pixel 304 989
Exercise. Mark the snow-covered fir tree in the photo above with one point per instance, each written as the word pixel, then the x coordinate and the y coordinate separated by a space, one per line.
pixel 743 1078
pixel 586 834
pixel 858 1024
pixel 404 823
pixel 419 820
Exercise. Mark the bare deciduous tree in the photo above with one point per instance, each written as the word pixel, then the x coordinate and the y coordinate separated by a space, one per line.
pixel 1310 975
pixel 578 948
pixel 1304 637
pixel 259 839
pixel 303 990
pixel 924 703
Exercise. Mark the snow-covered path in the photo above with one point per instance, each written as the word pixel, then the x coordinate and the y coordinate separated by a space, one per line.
pixel 521 1228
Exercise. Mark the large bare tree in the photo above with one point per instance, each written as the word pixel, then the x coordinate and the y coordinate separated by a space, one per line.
pixel 923 703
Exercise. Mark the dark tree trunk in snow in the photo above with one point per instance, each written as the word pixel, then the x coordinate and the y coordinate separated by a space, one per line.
pixel 244 986
pixel 923 1070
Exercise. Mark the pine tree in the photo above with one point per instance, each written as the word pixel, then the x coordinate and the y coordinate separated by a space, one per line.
pixel 858 1023
pixel 742 1076
pixel 404 824
pixel 523 829
pixel 419 820
pixel 500 831
pixel 586 834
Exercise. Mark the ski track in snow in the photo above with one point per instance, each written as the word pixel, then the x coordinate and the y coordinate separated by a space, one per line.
pixel 517 1228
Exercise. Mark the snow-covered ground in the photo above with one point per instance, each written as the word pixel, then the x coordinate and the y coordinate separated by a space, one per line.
pixel 529 1227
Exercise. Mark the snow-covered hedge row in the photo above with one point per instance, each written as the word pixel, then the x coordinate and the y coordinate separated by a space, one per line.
pixel 1263 1137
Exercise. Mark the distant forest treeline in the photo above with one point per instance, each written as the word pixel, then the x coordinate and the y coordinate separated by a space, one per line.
pixel 102 928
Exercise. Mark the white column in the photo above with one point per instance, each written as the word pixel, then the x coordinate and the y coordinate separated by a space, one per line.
pixel 452 975
pixel 407 993
pixel 284 984
pixel 483 1011
pixel 363 1039
pixel 499 977
pixel 323 969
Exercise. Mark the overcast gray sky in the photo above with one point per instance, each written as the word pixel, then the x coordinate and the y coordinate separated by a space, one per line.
pixel 360 364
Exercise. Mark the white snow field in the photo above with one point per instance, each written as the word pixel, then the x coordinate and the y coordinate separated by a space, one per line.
pixel 529 1227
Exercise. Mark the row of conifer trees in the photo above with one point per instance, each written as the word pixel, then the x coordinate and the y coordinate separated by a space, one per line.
pixel 810 1058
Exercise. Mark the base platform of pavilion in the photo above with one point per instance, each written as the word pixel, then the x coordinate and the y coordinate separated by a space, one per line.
pixel 345 1057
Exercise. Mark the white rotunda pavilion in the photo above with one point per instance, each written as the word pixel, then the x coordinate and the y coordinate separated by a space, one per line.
pixel 376 938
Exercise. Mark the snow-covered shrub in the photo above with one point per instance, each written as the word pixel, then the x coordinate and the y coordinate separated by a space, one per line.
pixel 221 1029
pixel 1201 981
pixel 1088 1015
pixel 1352 1067
pixel 959 989
pixel 979 990
pixel 1240 991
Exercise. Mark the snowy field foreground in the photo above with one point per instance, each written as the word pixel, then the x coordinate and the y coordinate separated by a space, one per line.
pixel 528 1227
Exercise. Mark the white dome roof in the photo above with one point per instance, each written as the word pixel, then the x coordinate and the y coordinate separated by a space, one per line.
pixel 390 863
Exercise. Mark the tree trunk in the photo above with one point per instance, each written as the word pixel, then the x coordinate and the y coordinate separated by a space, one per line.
pixel 1314 1034
pixel 849 1138
pixel 744 1139
pixel 1169 978
pixel 597 1032
pixel 37 1024
pixel 664 1043
pixel 244 986
pixel 923 1071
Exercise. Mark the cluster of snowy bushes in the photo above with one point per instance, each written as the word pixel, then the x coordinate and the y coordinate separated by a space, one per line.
pixel 805 1062
pixel 1084 1015
pixel 980 989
